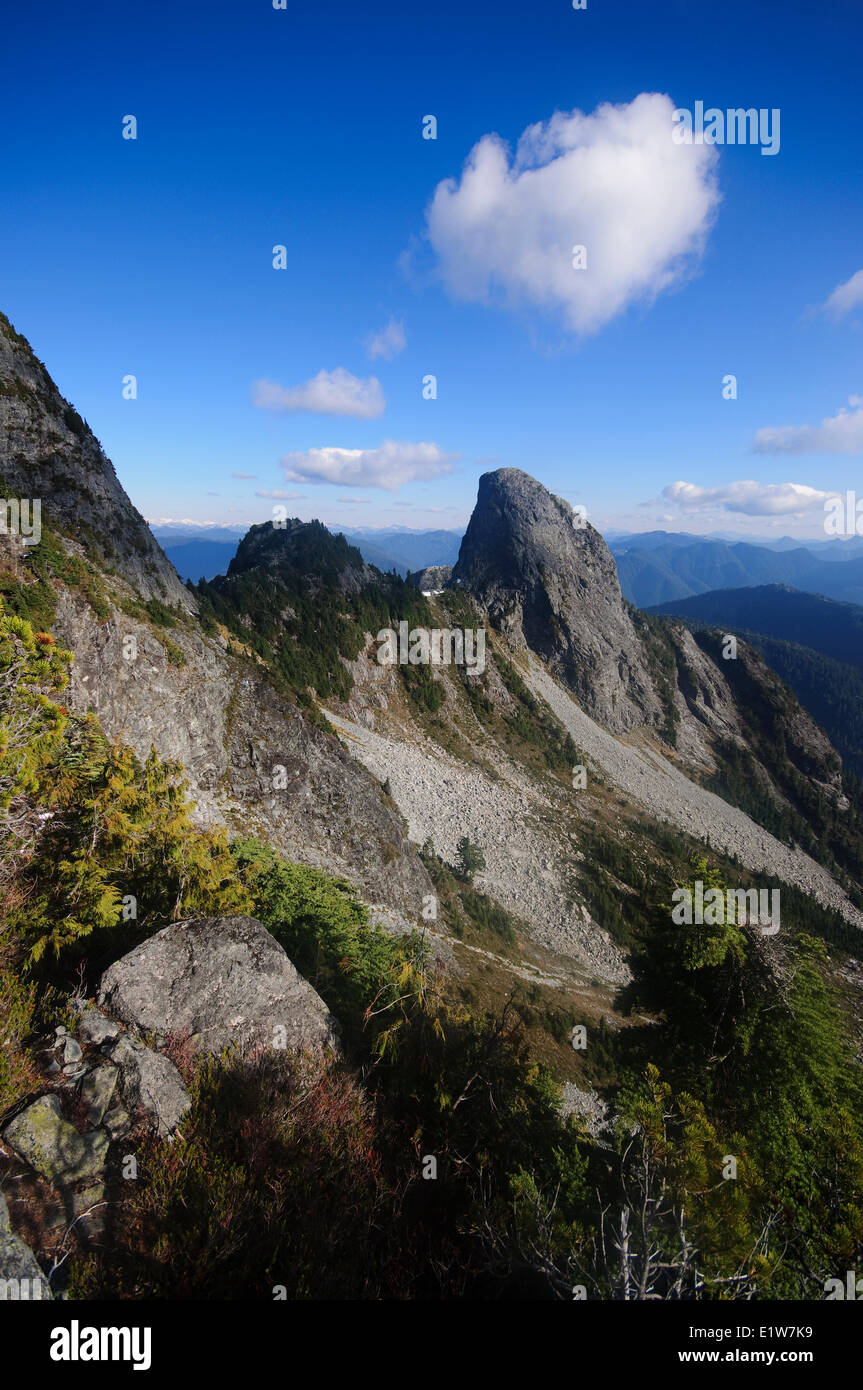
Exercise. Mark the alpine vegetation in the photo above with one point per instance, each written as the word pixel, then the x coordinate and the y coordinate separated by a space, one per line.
pixel 742 906
pixel 436 647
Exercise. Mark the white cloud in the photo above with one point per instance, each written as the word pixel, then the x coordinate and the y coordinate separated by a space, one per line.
pixel 244 475
pixel 278 496
pixel 614 182
pixel 356 501
pixel 388 342
pixel 841 433
pixel 748 497
pixel 328 393
pixel 388 467
pixel 846 296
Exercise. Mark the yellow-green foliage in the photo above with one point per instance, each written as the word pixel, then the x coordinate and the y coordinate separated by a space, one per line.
pixel 120 837
pixel 32 669
pixel 92 840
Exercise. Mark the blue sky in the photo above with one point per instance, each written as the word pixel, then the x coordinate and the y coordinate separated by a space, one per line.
pixel 303 127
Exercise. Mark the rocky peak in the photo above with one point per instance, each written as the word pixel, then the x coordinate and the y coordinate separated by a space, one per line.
pixel 48 452
pixel 432 578
pixel 303 550
pixel 548 581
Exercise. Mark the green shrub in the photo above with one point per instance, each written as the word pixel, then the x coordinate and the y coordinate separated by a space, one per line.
pixel 471 859
pixel 358 969
pixel 119 837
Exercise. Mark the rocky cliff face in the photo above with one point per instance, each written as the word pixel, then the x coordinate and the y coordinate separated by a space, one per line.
pixel 744 701
pixel 252 761
pixel 548 582
pixel 48 452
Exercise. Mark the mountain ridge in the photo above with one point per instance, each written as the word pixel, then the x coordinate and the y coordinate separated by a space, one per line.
pixel 534 570
pixel 667 572
pixel 48 451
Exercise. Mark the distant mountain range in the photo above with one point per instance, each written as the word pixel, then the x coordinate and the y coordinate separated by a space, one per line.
pixel 204 553
pixel 403 549
pixel 659 567
pixel 835 548
pixel 194 559
pixel 654 566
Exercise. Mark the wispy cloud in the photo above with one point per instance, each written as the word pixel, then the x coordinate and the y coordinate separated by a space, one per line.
pixel 276 495
pixel 388 342
pixel 841 433
pixel 613 182
pixel 189 521
pixel 747 497
pixel 329 393
pixel 389 466
pixel 244 475
pixel 846 297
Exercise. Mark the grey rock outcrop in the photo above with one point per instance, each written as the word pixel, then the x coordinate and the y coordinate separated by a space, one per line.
pixel 97 1092
pixel 97 1029
pixel 73 1158
pixel 592 1111
pixel 549 583
pixel 50 1144
pixel 20 1275
pixel 744 701
pixel 147 1081
pixel 152 1087
pixel 433 578
pixel 220 981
